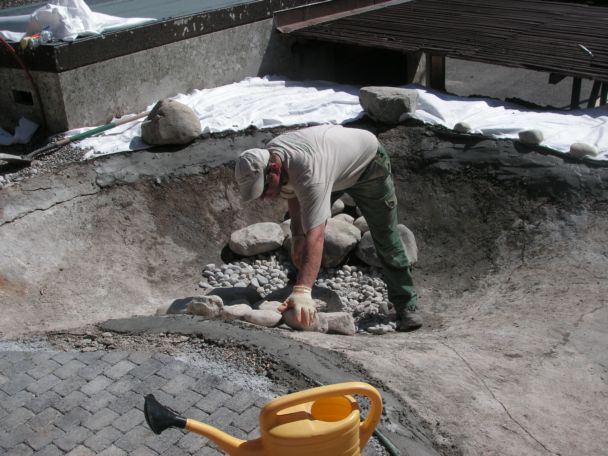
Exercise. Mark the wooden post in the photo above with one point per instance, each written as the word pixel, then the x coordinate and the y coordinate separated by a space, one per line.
pixel 435 71
pixel 575 100
pixel 595 90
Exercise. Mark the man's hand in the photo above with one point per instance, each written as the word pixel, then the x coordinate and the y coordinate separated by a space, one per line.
pixel 301 301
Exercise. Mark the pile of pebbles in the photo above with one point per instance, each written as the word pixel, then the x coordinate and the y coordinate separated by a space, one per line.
pixel 360 288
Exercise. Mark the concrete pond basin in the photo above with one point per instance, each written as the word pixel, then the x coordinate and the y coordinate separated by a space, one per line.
pixel 511 272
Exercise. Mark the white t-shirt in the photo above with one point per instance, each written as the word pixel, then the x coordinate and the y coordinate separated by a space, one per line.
pixel 321 160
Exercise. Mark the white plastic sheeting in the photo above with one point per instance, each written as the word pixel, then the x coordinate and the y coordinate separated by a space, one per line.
pixel 253 102
pixel 66 19
pixel 271 102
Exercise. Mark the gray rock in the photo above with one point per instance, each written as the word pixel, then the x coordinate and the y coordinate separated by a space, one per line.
pixel 257 238
pixel 340 239
pixel 581 150
pixel 170 122
pixel 361 223
pixel 366 251
pixel 268 318
pixel 338 323
pixel 462 127
pixel 325 299
pixel 318 325
pixel 235 312
pixel 206 306
pixel 179 306
pixel 337 207
pixel 348 200
pixel 389 105
pixel 234 295
pixel 531 137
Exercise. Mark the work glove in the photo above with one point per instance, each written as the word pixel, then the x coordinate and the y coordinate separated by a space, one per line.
pixel 300 300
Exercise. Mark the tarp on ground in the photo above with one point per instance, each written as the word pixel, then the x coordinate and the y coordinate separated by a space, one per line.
pixel 66 20
pixel 272 102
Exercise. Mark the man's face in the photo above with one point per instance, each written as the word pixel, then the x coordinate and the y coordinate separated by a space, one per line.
pixel 272 186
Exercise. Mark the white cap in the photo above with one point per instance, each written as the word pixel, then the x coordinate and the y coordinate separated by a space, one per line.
pixel 250 173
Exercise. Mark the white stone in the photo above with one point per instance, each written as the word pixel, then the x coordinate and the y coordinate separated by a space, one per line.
pixel 268 318
pixel 207 306
pixel 235 311
pixel 270 305
pixel 531 137
pixel 345 218
pixel 581 150
pixel 257 238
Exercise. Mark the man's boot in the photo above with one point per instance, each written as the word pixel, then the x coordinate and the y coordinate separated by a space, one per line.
pixel 408 321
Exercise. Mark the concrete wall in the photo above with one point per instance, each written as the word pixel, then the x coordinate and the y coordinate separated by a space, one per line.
pixel 94 94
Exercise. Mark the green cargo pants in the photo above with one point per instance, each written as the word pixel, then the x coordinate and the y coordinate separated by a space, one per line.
pixel 374 194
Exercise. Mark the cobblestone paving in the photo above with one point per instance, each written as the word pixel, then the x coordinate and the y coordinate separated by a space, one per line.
pixel 86 403
pixel 55 403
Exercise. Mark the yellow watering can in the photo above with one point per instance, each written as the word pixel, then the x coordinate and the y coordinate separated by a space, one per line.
pixel 318 421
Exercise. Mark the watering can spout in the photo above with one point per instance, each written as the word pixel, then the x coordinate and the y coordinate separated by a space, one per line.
pixel 160 417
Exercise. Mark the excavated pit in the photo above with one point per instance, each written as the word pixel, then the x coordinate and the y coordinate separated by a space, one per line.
pixel 512 272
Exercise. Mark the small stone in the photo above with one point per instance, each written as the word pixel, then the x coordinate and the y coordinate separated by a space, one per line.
pixel 339 323
pixel 531 137
pixel 581 150
pixel 462 127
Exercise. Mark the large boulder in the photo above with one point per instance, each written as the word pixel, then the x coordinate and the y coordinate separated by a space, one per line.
pixel 268 318
pixel 389 105
pixel 170 122
pixel 235 312
pixel 326 300
pixel 257 238
pixel 332 323
pixel 366 251
pixel 236 295
pixel 318 325
pixel 340 239
pixel 206 306
pixel 338 323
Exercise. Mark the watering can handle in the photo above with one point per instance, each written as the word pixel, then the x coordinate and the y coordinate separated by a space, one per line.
pixel 270 411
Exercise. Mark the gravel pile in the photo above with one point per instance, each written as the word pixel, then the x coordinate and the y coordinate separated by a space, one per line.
pixel 54 161
pixel 361 289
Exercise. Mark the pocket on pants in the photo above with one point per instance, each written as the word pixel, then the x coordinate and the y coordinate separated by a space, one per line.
pixel 391 202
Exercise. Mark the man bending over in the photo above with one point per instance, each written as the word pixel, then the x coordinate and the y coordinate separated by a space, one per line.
pixel 306 167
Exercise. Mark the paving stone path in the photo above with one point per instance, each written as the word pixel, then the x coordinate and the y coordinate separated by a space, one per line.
pixel 55 403
pixel 87 403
